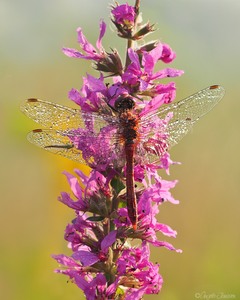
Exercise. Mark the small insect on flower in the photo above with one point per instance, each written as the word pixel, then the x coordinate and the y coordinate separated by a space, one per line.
pixel 125 135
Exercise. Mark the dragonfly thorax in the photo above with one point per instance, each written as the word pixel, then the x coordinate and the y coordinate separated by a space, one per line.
pixel 124 103
pixel 129 126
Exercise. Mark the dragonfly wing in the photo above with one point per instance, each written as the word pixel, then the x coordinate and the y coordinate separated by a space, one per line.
pixel 51 115
pixel 94 149
pixel 189 110
pixel 54 116
pixel 55 142
pixel 73 133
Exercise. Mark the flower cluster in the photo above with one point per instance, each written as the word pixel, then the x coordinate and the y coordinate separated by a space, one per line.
pixel 104 264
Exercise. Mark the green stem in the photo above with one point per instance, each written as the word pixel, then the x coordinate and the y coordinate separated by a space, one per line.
pixel 137 6
pixel 130 42
pixel 129 45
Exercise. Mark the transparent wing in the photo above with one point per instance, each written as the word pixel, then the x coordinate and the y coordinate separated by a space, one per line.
pixel 54 116
pixel 61 125
pixel 55 142
pixel 187 111
pixel 59 142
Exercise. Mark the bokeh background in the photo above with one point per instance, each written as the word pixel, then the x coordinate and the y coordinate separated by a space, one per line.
pixel 205 35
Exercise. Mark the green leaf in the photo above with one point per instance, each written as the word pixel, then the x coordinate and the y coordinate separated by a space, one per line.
pixel 117 185
pixel 95 219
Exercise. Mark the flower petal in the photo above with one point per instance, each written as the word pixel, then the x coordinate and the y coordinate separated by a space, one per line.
pixel 108 240
pixel 85 257
pixel 101 34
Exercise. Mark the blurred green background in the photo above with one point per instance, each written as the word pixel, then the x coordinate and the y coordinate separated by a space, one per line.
pixel 205 35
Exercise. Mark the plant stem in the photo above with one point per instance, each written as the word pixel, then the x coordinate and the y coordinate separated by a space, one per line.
pixel 137 6
pixel 130 42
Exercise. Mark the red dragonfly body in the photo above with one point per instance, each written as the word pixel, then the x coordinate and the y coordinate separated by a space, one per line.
pixel 130 123
pixel 122 136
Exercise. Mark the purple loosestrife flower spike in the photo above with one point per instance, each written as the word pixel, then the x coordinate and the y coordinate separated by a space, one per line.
pixel 103 263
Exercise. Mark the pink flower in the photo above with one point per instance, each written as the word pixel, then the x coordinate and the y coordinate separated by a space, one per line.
pixel 167 54
pixel 124 14
pixel 91 52
pixel 143 78
pixel 134 266
pixel 92 95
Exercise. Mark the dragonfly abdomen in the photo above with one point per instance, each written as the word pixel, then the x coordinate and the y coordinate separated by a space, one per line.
pixel 130 193
pixel 129 132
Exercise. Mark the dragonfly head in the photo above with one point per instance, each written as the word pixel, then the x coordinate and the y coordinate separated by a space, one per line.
pixel 124 103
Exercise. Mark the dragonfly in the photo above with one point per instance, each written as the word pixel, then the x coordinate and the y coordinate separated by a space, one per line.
pixel 119 137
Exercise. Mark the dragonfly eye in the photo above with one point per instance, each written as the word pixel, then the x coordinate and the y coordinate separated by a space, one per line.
pixel 124 103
